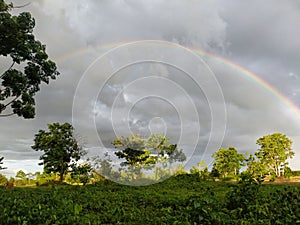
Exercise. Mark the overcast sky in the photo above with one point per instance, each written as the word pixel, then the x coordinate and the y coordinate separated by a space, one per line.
pixel 115 81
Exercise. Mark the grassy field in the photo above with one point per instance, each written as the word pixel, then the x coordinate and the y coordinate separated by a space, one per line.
pixel 179 200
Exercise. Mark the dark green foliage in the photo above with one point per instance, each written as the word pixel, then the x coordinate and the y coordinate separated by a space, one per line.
pixel 228 161
pixel 81 173
pixel 178 200
pixel 18 44
pixel 252 203
pixel 296 173
pixel 60 148
pixel 145 153
pixel 206 209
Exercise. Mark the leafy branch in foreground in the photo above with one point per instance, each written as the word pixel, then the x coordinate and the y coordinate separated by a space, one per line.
pixel 1 159
pixel 28 63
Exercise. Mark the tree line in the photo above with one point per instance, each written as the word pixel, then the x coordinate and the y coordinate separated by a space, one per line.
pixel 155 154
pixel 270 158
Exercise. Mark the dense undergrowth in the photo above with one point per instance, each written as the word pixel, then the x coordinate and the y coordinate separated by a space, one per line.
pixel 179 200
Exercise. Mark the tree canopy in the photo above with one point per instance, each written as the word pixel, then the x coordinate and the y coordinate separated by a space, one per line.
pixel 139 152
pixel 21 174
pixel 82 173
pixel 228 161
pixel 27 63
pixel 61 149
pixel 274 151
pixel 133 151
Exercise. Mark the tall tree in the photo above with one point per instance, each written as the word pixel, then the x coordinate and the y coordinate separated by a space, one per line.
pixel 61 149
pixel 21 178
pixel 139 152
pixel 1 159
pixel 274 151
pixel 27 63
pixel 228 161
pixel 162 150
pixel 21 175
pixel 132 149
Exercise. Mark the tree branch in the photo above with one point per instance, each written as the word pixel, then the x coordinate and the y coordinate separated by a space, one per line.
pixel 2 90
pixel 22 6
pixel 7 69
pixel 12 101
pixel 7 115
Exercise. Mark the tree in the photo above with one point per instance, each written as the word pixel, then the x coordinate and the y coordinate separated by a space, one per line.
pixel 201 170
pixel 140 152
pixel 3 179
pixel 82 173
pixel 61 149
pixel 228 161
pixel 160 146
pixel 18 85
pixel 2 168
pixel 103 167
pixel 21 177
pixel 274 151
pixel 133 151
pixel 176 155
pixel 255 167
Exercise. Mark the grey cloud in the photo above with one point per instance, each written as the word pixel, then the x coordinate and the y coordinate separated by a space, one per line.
pixel 260 36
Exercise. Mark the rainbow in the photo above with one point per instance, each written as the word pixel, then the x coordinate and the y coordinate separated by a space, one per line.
pixel 248 74
pixel 255 78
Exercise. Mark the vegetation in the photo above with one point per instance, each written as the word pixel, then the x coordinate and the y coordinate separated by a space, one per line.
pixel 228 161
pixel 183 199
pixel 201 170
pixel 188 199
pixel 61 150
pixel 82 173
pixel 19 47
pixel 274 151
pixel 134 152
pixel 3 179
pixel 139 153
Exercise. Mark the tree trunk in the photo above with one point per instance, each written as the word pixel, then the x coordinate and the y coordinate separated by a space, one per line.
pixel 276 170
pixel 61 174
pixel 156 164
pixel 61 177
pixel 132 173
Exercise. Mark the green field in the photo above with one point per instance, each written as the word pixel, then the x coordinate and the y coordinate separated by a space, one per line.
pixel 179 200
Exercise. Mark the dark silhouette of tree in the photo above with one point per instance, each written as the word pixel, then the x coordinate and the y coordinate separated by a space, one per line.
pixel 28 63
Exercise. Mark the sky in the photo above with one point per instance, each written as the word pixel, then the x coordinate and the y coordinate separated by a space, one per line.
pixel 207 73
